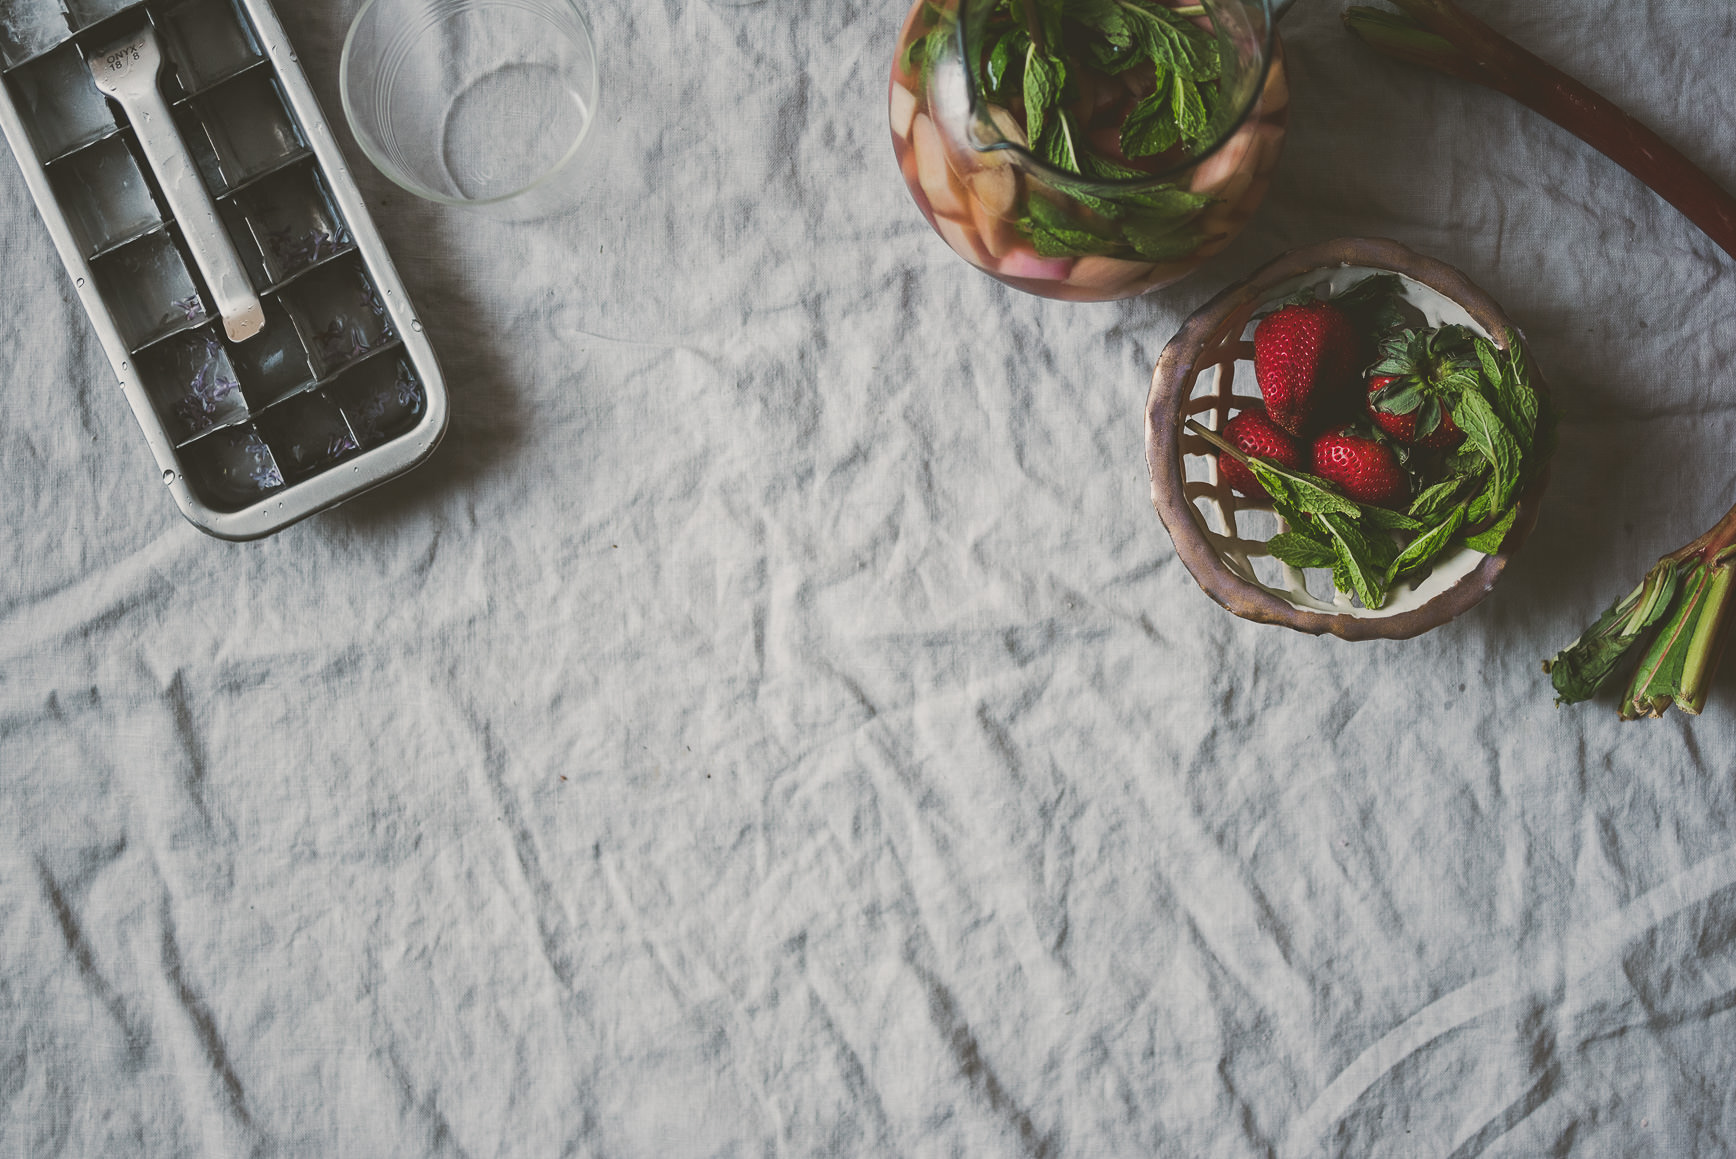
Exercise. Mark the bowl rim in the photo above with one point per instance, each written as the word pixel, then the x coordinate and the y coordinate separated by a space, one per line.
pixel 1163 454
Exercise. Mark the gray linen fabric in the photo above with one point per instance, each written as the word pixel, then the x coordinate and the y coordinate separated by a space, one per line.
pixel 776 723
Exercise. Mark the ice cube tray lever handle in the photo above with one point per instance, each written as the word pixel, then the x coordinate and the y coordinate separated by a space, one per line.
pixel 127 73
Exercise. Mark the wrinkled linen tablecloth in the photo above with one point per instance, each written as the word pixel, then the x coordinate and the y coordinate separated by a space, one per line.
pixel 776 723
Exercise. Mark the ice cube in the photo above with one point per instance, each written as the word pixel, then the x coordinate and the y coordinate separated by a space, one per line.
pixel 249 126
pixel 191 381
pixel 344 314
pixel 307 433
pixel 209 41
pixel 232 467
pixel 293 221
pixel 105 195
pixel 272 364
pixel 148 289
pixel 60 102
pixel 85 13
pixel 382 398
pixel 29 28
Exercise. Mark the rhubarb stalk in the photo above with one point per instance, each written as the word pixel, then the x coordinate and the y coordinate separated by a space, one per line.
pixel 1686 597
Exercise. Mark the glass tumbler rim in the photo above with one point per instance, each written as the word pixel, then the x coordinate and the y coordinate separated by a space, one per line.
pixel 1062 178
pixel 396 174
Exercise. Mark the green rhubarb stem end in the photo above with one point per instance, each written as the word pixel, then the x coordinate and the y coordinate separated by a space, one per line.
pixel 1706 646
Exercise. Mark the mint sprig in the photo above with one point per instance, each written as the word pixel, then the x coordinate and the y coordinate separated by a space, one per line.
pixel 1027 56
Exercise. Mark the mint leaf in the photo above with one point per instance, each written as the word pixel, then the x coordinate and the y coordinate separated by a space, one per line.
pixel 1422 550
pixel 1386 519
pixel 1519 397
pixel 1488 541
pixel 1068 243
pixel 1190 110
pixel 1366 580
pixel 1162 241
pixel 1169 201
pixel 1437 498
pixel 1490 361
pixel 1008 52
pixel 1299 491
pixel 1300 550
pixel 1150 128
pixel 1043 79
pixel 1490 438
pixel 1058 144
pixel 1049 215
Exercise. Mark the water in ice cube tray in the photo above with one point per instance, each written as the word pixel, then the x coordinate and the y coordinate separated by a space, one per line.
pixel 344 314
pixel 105 195
pixel 307 432
pixel 29 28
pixel 232 467
pixel 192 383
pixel 85 13
pixel 272 364
pixel 208 41
pixel 382 398
pixel 60 102
pixel 292 221
pixel 148 289
pixel 248 126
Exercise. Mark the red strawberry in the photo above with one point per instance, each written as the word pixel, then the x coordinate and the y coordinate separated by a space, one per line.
pixel 1403 427
pixel 1305 359
pixel 1254 433
pixel 1362 468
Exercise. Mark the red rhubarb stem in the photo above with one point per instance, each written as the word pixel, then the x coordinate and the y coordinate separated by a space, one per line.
pixel 1487 57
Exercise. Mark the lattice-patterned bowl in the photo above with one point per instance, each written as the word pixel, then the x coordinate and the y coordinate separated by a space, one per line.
pixel 1207 373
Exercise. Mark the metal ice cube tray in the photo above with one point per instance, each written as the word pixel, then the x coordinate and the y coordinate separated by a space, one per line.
pixel 341 390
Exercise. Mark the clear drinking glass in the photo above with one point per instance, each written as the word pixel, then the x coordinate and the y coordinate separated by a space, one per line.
pixel 1115 226
pixel 472 102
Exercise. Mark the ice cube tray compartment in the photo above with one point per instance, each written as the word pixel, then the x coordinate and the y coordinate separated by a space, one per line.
pixel 273 364
pixel 382 398
pixel 29 28
pixel 231 468
pixel 307 433
pixel 248 433
pixel 149 288
pixel 60 103
pixel 106 195
pixel 193 384
pixel 341 313
pixel 290 219
pixel 246 127
pixel 208 42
